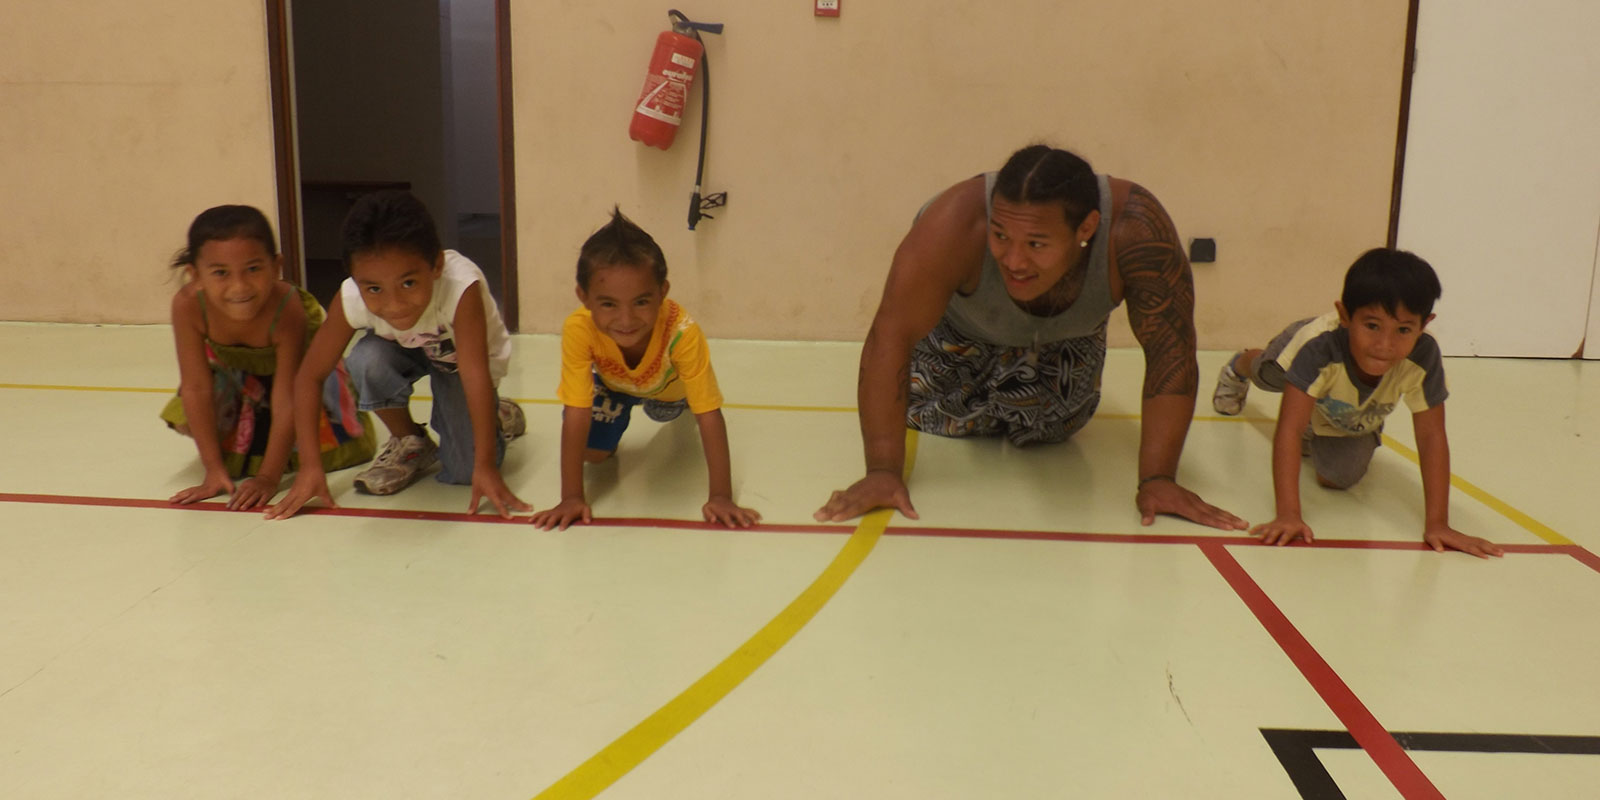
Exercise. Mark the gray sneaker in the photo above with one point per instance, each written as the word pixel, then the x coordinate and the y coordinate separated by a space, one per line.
pixel 664 412
pixel 1228 399
pixel 513 422
pixel 401 462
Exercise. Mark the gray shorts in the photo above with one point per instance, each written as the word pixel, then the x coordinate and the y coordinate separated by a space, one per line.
pixel 1338 460
pixel 1269 373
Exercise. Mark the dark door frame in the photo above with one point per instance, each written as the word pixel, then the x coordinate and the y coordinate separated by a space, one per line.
pixel 280 56
pixel 1408 67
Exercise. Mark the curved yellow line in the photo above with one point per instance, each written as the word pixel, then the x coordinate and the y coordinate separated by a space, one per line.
pixel 643 740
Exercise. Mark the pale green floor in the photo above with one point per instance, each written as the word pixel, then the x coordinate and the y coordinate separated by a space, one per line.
pixel 153 653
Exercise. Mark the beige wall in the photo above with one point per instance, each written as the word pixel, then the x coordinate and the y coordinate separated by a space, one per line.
pixel 1267 126
pixel 118 123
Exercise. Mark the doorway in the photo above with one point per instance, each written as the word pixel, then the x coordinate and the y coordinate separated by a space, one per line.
pixel 407 94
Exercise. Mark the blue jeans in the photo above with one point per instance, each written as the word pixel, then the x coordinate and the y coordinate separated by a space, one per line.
pixel 383 372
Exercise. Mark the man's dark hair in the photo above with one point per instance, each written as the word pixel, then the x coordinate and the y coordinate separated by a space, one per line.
pixel 389 219
pixel 1043 174
pixel 1391 278
pixel 620 242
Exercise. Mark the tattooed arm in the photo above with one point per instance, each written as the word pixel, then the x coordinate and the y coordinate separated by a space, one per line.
pixel 1159 291
pixel 943 250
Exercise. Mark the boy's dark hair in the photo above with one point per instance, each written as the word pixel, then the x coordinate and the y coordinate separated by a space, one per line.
pixel 620 241
pixel 387 219
pixel 1043 174
pixel 226 222
pixel 1391 278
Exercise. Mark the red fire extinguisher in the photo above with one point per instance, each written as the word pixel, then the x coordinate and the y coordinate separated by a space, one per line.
pixel 659 112
pixel 678 56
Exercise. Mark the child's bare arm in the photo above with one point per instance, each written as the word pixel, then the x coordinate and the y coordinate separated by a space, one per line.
pixel 472 359
pixel 1433 455
pixel 573 507
pixel 289 344
pixel 194 374
pixel 1294 413
pixel 720 507
pixel 327 347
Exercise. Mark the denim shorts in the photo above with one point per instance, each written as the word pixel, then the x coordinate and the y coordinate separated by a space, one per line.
pixel 613 409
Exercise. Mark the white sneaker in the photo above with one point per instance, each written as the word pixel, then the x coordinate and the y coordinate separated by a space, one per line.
pixel 401 462
pixel 513 422
pixel 1228 399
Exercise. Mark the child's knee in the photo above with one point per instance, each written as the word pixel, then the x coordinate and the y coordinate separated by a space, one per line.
pixel 1341 476
pixel 1267 375
pixel 1342 461
pixel 364 356
pixel 457 457
pixel 1331 483
pixel 455 465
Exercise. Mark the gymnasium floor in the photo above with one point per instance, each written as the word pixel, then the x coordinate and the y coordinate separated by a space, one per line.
pixel 1026 638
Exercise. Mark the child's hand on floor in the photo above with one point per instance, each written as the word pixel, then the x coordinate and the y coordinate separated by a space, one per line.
pixel 308 484
pixel 254 492
pixel 722 510
pixel 1283 530
pixel 1444 537
pixel 568 511
pixel 215 483
pixel 489 485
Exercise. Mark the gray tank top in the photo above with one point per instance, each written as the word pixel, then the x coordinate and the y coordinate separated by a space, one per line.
pixel 989 314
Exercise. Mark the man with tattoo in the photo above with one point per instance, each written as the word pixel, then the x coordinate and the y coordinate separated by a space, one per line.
pixel 993 323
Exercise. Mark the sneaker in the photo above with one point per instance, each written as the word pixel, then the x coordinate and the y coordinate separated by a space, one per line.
pixel 401 462
pixel 513 422
pixel 664 412
pixel 1228 399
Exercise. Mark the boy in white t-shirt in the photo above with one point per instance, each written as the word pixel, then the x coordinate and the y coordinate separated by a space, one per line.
pixel 426 312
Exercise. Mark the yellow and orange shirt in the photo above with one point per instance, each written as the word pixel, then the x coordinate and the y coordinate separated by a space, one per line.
pixel 676 363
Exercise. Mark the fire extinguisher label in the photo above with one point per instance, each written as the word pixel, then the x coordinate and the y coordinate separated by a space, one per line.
pixel 663 99
pixel 683 60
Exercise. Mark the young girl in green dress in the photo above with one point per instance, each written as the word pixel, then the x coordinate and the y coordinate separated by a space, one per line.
pixel 240 333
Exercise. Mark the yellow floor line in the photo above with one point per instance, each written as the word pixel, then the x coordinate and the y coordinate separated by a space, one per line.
pixel 1471 490
pixel 533 401
pixel 632 748
pixel 52 387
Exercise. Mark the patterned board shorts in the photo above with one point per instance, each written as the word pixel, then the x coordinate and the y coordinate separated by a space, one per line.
pixel 964 387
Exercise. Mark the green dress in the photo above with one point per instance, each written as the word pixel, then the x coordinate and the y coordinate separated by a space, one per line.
pixel 241 391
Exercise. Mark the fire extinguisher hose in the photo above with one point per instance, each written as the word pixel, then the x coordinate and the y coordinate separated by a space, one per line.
pixel 691 28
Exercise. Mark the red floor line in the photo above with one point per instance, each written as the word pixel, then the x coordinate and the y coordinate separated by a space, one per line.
pixel 396 513
pixel 691 524
pixel 1579 553
pixel 1584 557
pixel 1195 539
pixel 1368 732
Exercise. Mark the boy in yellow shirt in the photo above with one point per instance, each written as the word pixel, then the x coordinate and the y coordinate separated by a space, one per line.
pixel 630 345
